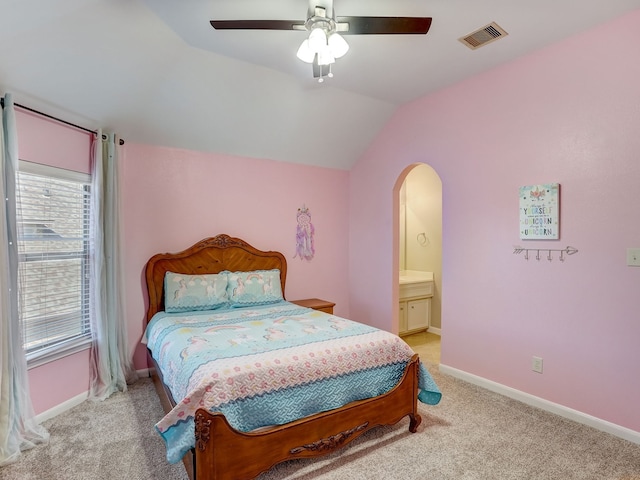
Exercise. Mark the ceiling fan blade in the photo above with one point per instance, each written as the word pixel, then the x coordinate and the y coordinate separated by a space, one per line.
pixel 385 25
pixel 258 24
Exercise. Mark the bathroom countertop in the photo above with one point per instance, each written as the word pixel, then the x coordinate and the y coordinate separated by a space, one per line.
pixel 415 276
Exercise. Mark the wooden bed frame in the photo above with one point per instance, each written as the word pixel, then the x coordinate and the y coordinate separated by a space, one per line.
pixel 223 453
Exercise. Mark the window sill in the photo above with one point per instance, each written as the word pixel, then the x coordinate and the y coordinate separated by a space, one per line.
pixel 56 353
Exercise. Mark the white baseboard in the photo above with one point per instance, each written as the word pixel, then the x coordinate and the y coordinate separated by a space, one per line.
pixel 72 402
pixel 434 330
pixel 61 408
pixel 575 415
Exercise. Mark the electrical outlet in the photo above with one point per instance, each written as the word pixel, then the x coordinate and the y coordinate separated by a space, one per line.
pixel 536 364
pixel 633 257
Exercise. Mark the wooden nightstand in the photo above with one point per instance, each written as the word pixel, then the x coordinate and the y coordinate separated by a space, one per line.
pixel 316 304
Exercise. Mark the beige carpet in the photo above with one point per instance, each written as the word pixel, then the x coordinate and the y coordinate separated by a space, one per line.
pixel 472 434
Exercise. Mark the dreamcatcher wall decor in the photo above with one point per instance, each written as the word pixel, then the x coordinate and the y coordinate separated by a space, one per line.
pixel 304 235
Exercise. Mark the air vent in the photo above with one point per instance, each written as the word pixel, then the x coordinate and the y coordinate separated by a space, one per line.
pixel 483 36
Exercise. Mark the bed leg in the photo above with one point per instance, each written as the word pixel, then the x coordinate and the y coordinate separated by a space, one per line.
pixel 414 417
pixel 414 422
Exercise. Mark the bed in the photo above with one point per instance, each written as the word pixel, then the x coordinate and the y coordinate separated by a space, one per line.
pixel 243 375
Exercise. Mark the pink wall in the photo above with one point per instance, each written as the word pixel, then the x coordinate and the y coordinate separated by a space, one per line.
pixel 174 198
pixel 566 114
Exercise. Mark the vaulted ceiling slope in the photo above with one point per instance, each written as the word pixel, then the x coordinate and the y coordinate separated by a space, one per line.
pixel 157 73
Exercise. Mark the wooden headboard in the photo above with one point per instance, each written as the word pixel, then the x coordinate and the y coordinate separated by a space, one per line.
pixel 211 255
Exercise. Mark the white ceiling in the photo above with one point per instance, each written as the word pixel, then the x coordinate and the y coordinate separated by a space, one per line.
pixel 156 72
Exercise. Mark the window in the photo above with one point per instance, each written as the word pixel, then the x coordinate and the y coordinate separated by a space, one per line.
pixel 53 208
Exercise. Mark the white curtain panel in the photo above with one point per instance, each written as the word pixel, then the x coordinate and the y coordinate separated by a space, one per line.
pixel 111 364
pixel 18 428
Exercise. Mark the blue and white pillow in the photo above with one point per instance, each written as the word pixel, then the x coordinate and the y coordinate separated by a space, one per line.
pixel 257 287
pixel 186 293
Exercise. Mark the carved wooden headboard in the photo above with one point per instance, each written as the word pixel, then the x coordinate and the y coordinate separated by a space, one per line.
pixel 211 255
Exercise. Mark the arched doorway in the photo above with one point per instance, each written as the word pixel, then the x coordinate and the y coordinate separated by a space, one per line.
pixel 419 240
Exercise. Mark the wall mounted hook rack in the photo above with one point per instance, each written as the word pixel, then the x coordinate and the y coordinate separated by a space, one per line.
pixel 563 252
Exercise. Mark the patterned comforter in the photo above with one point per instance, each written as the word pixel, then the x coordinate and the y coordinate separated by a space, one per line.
pixel 270 365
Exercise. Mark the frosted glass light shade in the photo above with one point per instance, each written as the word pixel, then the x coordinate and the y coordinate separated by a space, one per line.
pixel 338 45
pixel 317 39
pixel 305 53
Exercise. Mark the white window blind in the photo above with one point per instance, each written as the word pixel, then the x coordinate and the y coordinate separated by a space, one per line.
pixel 53 208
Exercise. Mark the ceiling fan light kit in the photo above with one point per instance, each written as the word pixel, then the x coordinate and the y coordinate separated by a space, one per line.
pixel 322 48
pixel 324 43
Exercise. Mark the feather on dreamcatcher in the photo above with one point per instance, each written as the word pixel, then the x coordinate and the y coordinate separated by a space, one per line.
pixel 304 235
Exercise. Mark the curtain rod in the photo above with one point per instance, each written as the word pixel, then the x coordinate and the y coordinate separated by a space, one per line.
pixel 104 137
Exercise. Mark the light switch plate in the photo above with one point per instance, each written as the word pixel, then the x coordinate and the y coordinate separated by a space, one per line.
pixel 633 257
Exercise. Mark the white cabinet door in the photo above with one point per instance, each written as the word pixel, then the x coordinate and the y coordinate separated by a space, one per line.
pixel 418 312
pixel 403 317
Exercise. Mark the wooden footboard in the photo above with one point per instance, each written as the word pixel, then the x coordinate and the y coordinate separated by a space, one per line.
pixel 223 453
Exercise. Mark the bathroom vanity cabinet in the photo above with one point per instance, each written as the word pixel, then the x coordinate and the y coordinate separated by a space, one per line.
pixel 415 293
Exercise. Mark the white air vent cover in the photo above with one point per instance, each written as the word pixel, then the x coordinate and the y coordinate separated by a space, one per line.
pixel 483 36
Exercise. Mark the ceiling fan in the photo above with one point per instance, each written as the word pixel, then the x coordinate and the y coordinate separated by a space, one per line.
pixel 324 43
